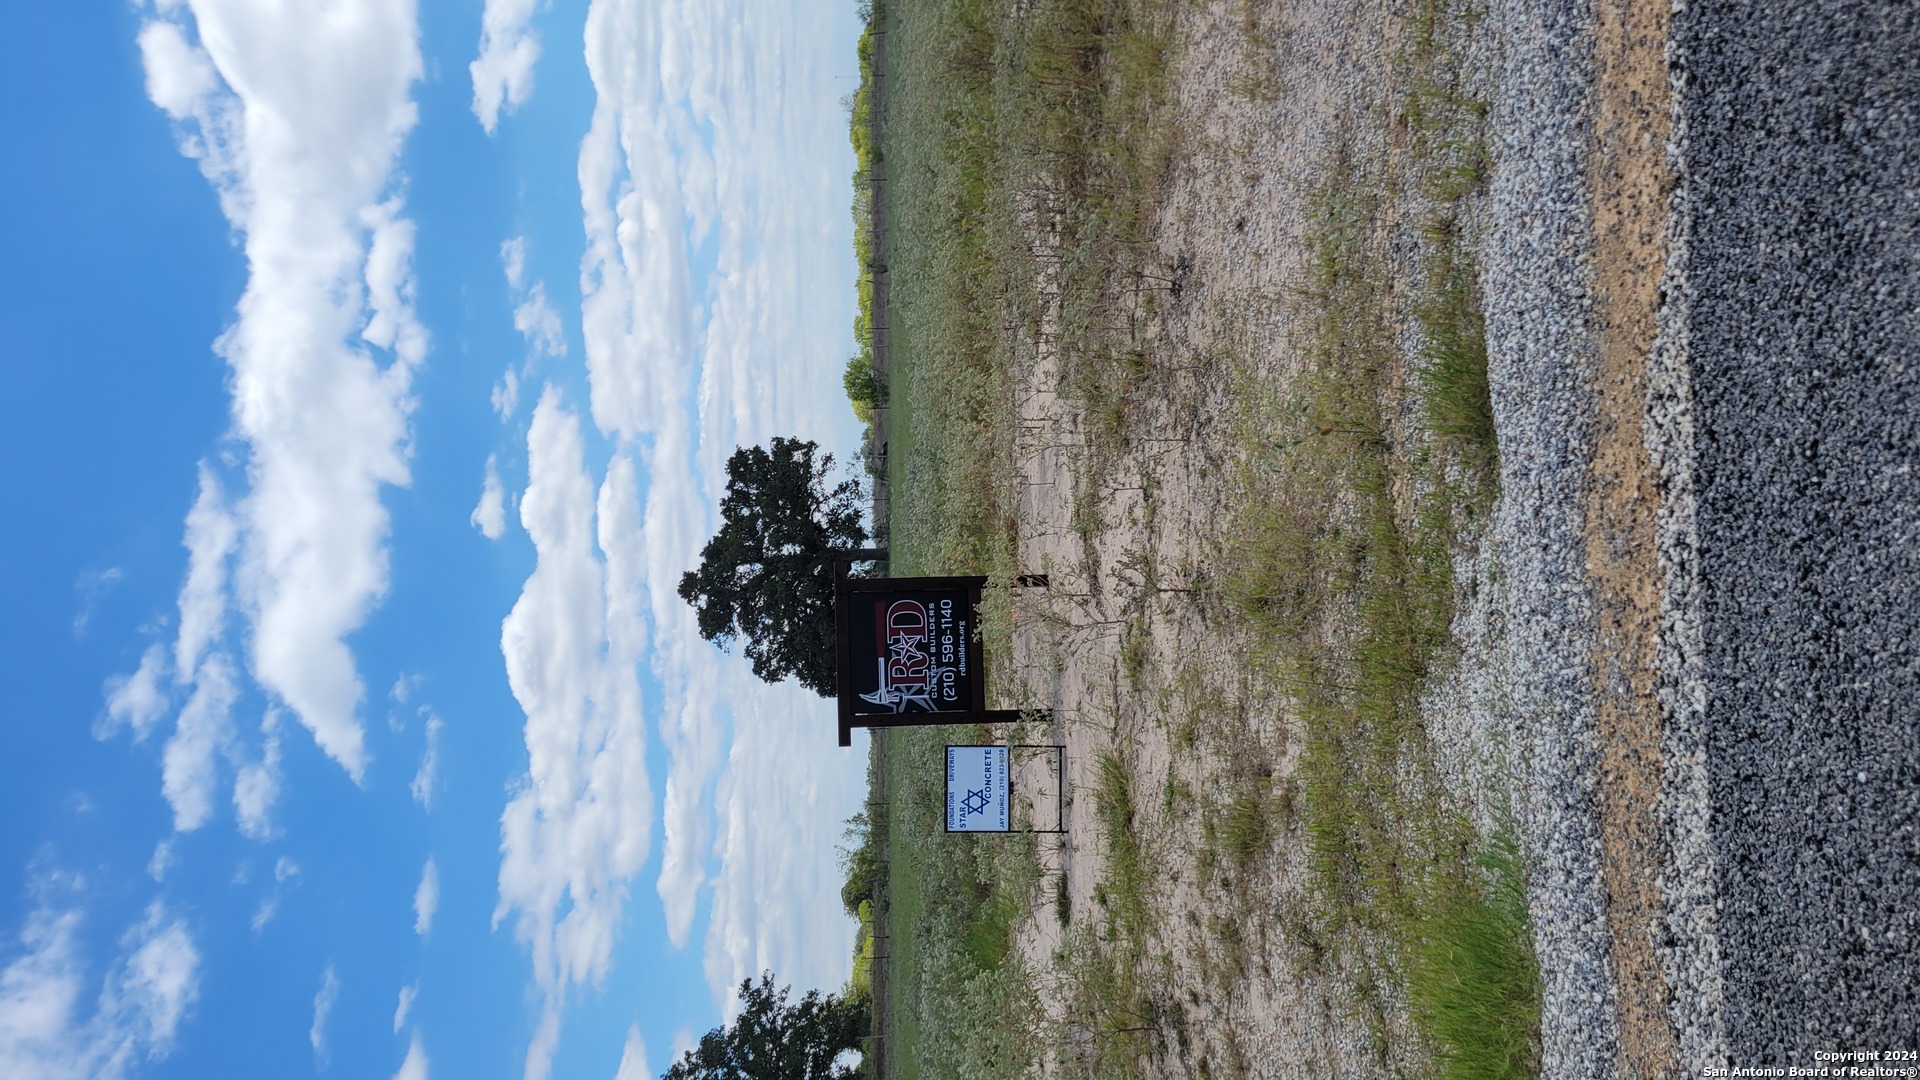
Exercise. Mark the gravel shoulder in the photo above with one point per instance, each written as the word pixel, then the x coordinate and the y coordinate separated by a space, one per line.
pixel 1719 742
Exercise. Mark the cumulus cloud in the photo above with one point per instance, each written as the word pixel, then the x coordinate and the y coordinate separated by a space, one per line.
pixel 322 1009
pixel 284 870
pixel 296 115
pixel 506 394
pixel 578 826
pixel 179 75
pixel 490 516
pixel 513 260
pixel 49 1032
pixel 503 72
pixel 682 368
pixel 256 788
pixel 426 899
pixel 210 538
pixel 782 798
pixel 189 769
pixel 404 1006
pixel 422 786
pixel 137 701
pixel 161 864
pixel 404 687
pixel 633 1058
pixel 533 316
pixel 535 319
pixel 414 1067
pixel 190 773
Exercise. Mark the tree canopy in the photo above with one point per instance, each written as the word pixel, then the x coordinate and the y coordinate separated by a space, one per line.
pixel 774 1040
pixel 767 575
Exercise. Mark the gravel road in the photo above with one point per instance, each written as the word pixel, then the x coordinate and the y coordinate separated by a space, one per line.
pixel 1801 175
pixel 1783 415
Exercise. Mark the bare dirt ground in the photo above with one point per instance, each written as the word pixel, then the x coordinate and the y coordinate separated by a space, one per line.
pixel 1124 647
pixel 1630 181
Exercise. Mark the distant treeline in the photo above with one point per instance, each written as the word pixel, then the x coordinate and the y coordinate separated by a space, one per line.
pixel 864 388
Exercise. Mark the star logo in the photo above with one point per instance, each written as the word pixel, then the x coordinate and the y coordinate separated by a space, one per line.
pixel 975 802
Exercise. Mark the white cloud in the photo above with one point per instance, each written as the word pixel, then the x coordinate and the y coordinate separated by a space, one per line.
pixel 635 294
pixel 426 899
pixel 189 773
pixel 578 827
pixel 284 870
pixel 534 318
pixel 633 1058
pixel 92 587
pixel 506 394
pixel 210 539
pixel 490 516
pixel 685 371
pixel 783 796
pixel 513 260
pixel 503 72
pixel 295 114
pixel 146 993
pixel 256 788
pixel 138 700
pixel 179 76
pixel 161 864
pixel 423 778
pixel 404 1006
pixel 683 1041
pixel 322 1009
pixel 539 323
pixel 404 687
pixel 414 1067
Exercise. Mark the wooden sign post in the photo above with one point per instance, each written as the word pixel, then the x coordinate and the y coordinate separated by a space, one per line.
pixel 909 652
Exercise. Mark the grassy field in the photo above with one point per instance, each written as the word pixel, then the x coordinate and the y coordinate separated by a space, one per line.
pixel 1025 157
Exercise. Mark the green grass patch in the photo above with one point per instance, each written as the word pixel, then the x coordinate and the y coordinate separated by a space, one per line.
pixel 1246 829
pixel 1124 885
pixel 1473 979
pixel 1453 377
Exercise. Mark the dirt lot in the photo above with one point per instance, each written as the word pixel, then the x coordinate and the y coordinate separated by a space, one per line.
pixel 1131 648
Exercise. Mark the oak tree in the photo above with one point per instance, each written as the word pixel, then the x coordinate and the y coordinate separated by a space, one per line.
pixel 772 1039
pixel 767 575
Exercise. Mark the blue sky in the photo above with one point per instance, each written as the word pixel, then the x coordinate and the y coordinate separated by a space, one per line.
pixel 375 365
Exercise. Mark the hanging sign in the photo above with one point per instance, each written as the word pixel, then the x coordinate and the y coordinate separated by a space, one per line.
pixel 977 789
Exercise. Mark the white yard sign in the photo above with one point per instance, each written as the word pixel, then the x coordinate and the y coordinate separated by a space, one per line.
pixel 977 796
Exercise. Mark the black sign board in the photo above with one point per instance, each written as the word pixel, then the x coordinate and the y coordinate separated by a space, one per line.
pixel 913 648
pixel 909 652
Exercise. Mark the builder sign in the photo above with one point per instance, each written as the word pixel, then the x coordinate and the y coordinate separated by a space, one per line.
pixel 914 650
pixel 908 647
